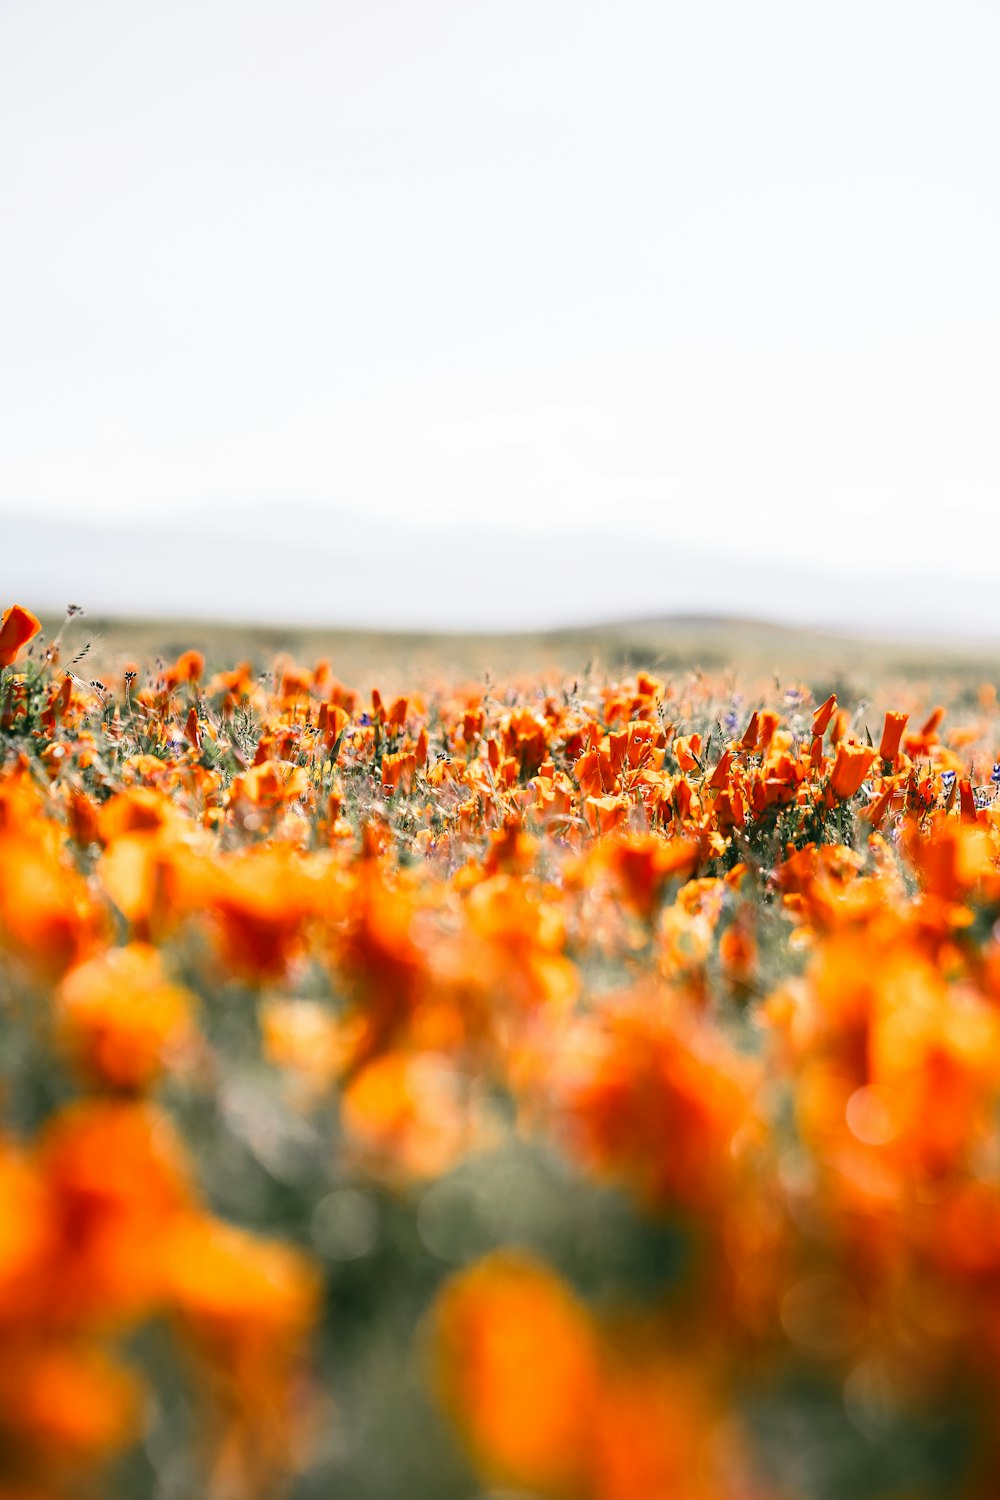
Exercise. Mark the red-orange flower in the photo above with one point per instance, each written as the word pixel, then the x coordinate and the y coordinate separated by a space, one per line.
pixel 120 1017
pixel 823 715
pixel 17 628
pixel 517 1369
pixel 850 768
pixel 895 723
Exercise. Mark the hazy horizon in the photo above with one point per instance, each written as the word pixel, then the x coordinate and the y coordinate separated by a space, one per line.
pixel 152 570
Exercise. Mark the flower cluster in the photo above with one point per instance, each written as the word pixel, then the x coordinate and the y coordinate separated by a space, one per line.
pixel 283 966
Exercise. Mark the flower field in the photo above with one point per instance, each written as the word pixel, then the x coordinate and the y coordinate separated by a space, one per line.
pixel 581 1090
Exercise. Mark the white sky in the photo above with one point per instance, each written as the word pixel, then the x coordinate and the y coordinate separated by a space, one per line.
pixel 396 289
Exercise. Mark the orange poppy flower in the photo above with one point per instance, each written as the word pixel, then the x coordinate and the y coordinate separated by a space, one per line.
pixel 850 768
pixel 517 1369
pixel 751 733
pixel 70 1402
pixel 17 628
pixel 120 1018
pixel 823 715
pixel 687 749
pixel 895 723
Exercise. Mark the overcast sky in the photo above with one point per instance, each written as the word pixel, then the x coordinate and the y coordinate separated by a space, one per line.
pixel 309 308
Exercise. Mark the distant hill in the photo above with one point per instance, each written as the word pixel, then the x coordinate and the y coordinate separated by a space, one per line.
pixel 671 646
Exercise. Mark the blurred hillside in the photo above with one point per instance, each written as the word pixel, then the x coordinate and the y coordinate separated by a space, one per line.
pixel 668 646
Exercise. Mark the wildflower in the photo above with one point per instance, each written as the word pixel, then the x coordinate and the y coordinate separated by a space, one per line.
pixel 403 1116
pixel 687 749
pixel 823 715
pixel 69 1402
pixel 117 1180
pixel 967 801
pixel 17 627
pixel 516 1366
pixel 767 726
pixel 720 777
pixel 750 734
pixel 643 1077
pixel 120 1017
pixel 189 667
pixel 398 771
pixel 876 810
pixel 243 1306
pixel 850 769
pixel 892 732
